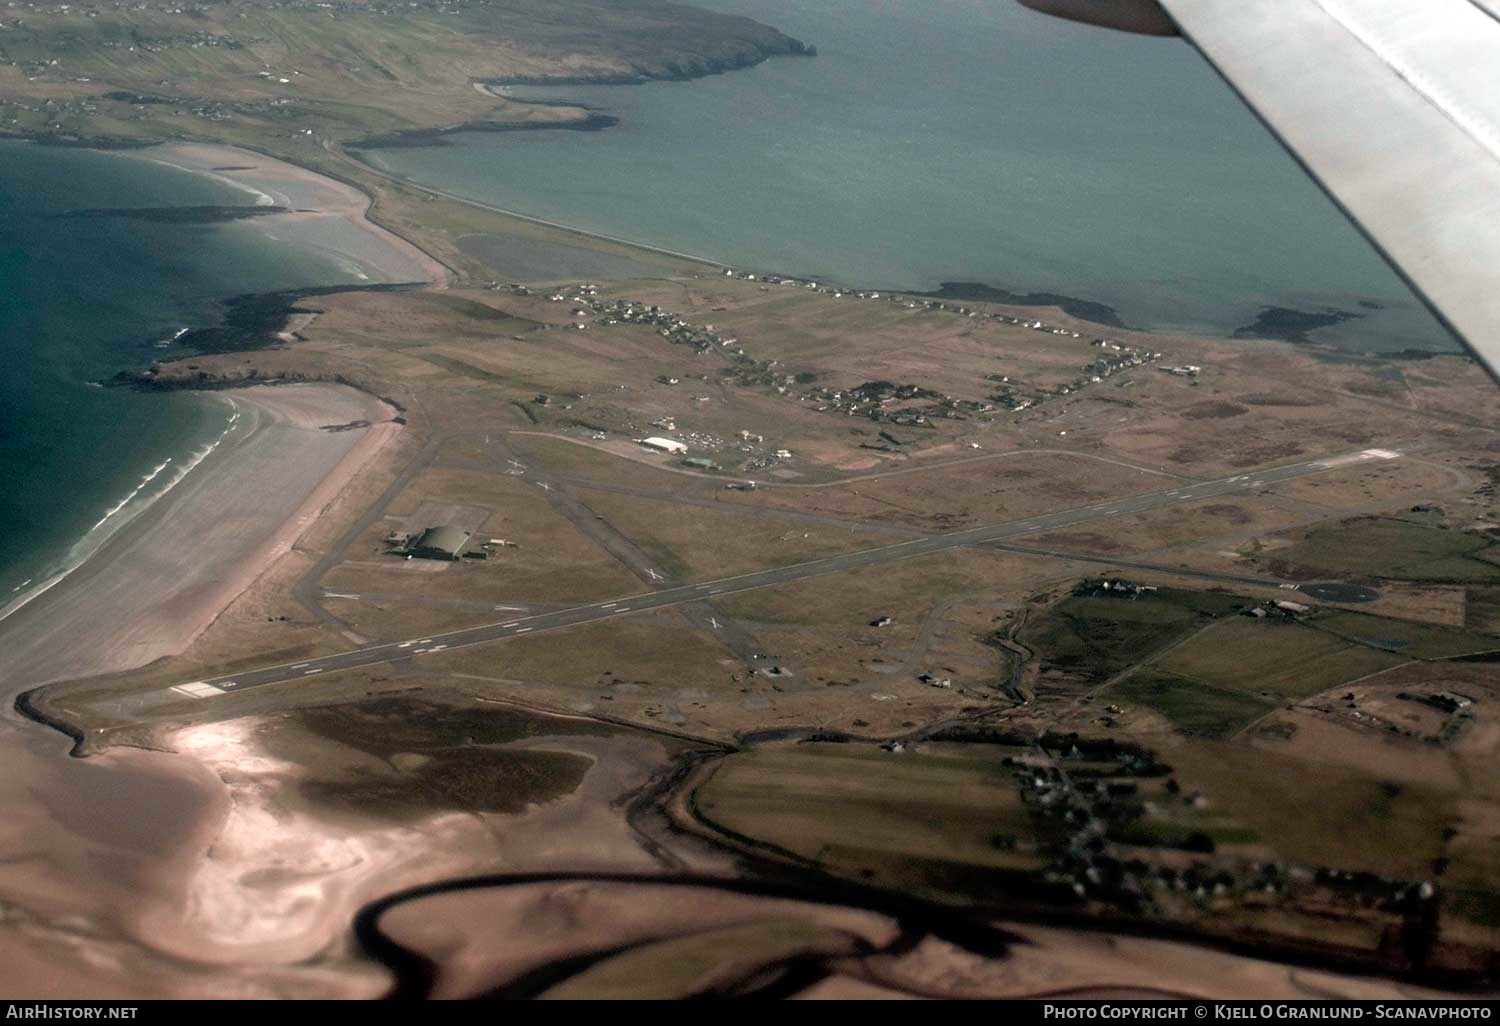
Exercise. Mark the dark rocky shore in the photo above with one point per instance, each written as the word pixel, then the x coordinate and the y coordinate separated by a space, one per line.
pixel 420 137
pixel 975 292
pixel 251 321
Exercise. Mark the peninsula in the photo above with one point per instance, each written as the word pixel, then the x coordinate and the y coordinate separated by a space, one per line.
pixel 558 616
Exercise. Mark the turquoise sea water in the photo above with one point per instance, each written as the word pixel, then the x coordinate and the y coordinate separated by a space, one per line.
pixel 82 298
pixel 970 140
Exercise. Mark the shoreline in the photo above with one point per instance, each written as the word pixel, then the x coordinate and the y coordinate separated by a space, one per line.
pixel 1080 308
pixel 145 593
pixel 583 233
pixel 316 206
pixel 150 591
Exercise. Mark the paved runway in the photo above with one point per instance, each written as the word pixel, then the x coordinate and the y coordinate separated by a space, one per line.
pixel 553 620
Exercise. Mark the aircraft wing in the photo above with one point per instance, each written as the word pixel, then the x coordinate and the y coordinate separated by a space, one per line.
pixel 1393 106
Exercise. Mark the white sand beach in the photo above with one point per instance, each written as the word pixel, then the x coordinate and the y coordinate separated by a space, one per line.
pixel 161 580
pixel 323 216
pixel 94 853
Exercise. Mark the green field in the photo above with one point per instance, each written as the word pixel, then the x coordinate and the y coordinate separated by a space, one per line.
pixel 265 71
pixel 1327 816
pixel 1482 611
pixel 1395 549
pixel 926 819
pixel 1196 709
pixel 1260 657
pixel 1418 640
pixel 1097 638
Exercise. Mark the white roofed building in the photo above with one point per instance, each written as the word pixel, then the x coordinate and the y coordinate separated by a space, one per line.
pixel 670 445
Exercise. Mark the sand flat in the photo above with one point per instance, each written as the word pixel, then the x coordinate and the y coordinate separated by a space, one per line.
pixel 99 852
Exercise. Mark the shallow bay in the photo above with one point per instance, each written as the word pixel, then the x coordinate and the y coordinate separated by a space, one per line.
pixel 82 297
pixel 954 140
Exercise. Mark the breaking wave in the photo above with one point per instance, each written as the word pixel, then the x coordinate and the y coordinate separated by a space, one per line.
pixel 165 476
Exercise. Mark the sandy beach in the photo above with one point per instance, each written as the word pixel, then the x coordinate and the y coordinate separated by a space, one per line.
pixel 93 847
pixel 96 851
pixel 159 582
pixel 323 216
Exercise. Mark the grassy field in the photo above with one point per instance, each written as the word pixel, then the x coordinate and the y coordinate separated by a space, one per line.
pixel 652 657
pixel 1258 657
pixel 1395 549
pixel 1324 817
pixel 902 819
pixel 1482 610
pixel 276 70
pixel 980 491
pixel 1418 640
pixel 699 543
pixel 1097 638
pixel 1177 821
pixel 1196 709
pixel 905 591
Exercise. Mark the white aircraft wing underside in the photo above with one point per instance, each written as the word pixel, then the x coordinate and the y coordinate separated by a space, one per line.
pixel 1394 107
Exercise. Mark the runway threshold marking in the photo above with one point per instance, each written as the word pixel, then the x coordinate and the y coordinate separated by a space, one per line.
pixel 197 689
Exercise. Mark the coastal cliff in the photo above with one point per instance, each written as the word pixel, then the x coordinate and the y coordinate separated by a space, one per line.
pixel 734 55
pixel 417 68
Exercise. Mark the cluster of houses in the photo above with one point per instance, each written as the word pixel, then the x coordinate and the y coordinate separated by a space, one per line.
pixel 889 403
pixel 1116 357
pixel 1095 797
pixel 874 399
pixel 756 458
pixel 1443 701
pixel 670 326
pixel 885 402
pixel 744 369
pixel 1119 358
pixel 909 302
pixel 1457 709
pixel 1112 587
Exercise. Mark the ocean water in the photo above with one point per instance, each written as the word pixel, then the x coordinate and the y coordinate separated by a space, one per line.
pixel 82 298
pixel 957 140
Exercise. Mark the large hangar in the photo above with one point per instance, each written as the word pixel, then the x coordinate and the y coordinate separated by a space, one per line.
pixel 442 543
